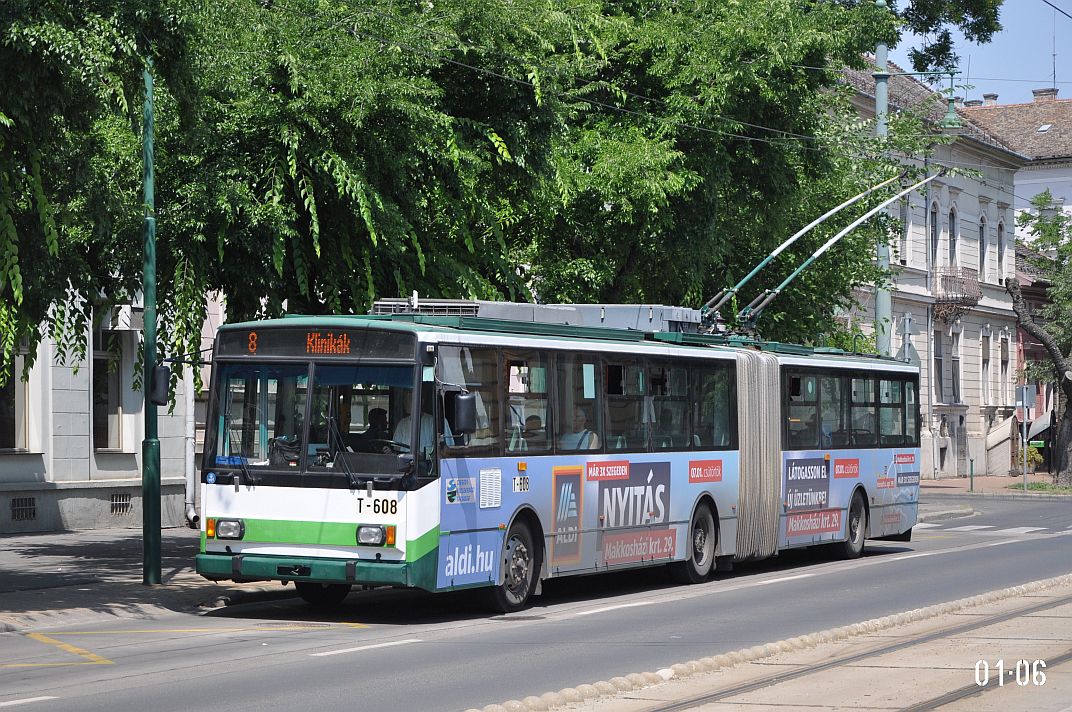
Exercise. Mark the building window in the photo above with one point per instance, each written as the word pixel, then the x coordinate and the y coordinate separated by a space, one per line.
pixel 1004 371
pixel 982 249
pixel 13 405
pixel 7 412
pixel 954 362
pixel 953 230
pixel 934 236
pixel 984 370
pixel 107 411
pixel 936 373
pixel 902 251
pixel 1001 252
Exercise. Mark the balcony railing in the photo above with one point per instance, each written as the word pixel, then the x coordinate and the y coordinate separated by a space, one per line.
pixel 957 285
pixel 956 290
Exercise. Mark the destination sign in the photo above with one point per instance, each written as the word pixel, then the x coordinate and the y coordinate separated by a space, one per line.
pixel 318 343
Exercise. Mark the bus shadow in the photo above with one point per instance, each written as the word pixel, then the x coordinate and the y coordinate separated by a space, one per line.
pixel 405 607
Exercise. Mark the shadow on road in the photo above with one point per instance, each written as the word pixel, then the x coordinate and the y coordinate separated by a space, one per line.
pixel 386 606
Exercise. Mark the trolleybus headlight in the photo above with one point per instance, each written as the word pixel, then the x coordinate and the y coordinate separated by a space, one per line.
pixel 229 529
pixel 375 535
pixel 371 535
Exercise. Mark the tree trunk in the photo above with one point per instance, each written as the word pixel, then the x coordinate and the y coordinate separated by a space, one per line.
pixel 1063 365
pixel 1062 454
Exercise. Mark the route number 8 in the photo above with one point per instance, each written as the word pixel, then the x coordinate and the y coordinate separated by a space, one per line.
pixel 252 343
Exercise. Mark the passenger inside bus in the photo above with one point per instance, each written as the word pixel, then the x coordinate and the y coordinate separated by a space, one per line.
pixel 580 436
pixel 377 425
pixel 428 431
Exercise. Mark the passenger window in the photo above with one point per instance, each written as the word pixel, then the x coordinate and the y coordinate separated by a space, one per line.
pixel 629 412
pixel 803 413
pixel 911 415
pixel 891 413
pixel 477 370
pixel 713 403
pixel 832 430
pixel 670 408
pixel 579 409
pixel 528 425
pixel 862 414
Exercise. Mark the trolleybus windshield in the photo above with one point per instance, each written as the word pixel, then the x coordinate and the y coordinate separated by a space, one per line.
pixel 353 420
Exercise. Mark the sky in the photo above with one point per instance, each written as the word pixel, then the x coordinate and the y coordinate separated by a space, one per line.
pixel 1017 59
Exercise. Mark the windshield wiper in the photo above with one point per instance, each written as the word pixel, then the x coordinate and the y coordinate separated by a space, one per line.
pixel 340 452
pixel 250 478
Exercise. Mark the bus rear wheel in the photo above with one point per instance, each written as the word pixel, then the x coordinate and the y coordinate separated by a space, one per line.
pixel 322 595
pixel 701 554
pixel 856 526
pixel 518 570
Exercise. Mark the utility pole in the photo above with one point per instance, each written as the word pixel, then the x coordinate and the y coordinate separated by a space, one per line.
pixel 150 447
pixel 883 298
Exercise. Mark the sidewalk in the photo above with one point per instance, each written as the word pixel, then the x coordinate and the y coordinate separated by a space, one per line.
pixel 66 578
pixel 990 485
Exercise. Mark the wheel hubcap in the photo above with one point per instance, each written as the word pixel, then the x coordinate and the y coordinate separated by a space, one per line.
pixel 518 572
pixel 699 544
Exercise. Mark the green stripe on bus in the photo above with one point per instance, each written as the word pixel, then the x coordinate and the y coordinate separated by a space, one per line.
pixel 424 544
pixel 282 531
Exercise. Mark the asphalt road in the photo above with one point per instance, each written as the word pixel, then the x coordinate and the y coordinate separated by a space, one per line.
pixel 414 651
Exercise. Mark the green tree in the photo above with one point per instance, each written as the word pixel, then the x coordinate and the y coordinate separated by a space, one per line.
pixel 69 159
pixel 322 154
pixel 1051 233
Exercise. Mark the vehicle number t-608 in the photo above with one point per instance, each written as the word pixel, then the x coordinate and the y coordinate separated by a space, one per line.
pixel 377 506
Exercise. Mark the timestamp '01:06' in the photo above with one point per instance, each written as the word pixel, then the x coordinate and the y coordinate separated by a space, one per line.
pixel 1026 673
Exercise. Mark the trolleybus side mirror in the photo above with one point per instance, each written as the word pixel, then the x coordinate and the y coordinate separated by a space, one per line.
pixel 158 392
pixel 465 413
pixel 405 462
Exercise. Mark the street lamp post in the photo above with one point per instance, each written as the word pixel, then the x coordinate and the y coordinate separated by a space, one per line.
pixel 883 298
pixel 150 447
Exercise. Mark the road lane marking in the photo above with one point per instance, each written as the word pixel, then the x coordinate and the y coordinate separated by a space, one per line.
pixel 926 525
pixel 90 658
pixel 366 647
pixel 1018 530
pixel 12 703
pixel 970 528
pixel 614 608
pixel 146 631
pixel 783 578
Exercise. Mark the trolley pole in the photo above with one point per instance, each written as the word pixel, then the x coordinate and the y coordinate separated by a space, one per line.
pixel 883 298
pixel 150 447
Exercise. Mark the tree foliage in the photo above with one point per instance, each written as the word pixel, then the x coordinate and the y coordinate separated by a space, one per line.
pixel 318 155
pixel 69 158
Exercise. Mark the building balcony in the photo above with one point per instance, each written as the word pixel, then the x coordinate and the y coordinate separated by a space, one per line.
pixel 956 290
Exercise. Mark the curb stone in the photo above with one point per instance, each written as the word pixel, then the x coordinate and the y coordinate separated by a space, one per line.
pixel 613 687
pixel 943 514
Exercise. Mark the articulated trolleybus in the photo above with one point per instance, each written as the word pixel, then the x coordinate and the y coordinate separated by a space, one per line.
pixel 503 444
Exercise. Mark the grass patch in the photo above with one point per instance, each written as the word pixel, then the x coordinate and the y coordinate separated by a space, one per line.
pixel 1041 487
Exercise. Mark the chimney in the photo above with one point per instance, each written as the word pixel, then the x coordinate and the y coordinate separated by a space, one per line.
pixel 1047 94
pixel 973 102
pixel 990 99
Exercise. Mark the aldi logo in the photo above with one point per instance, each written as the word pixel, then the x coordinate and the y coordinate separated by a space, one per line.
pixel 566 511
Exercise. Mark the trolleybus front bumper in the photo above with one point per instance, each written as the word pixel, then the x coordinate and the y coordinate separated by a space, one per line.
pixel 243 567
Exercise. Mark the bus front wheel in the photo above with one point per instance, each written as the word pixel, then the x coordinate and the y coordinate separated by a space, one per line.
pixel 701 551
pixel 517 577
pixel 322 595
